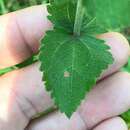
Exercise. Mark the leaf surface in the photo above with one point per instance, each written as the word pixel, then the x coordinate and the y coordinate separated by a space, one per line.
pixel 71 66
pixel 73 63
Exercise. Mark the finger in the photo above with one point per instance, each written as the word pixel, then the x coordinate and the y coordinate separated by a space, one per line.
pixel 58 121
pixel 120 50
pixel 108 99
pixel 20 33
pixel 112 124
pixel 22 96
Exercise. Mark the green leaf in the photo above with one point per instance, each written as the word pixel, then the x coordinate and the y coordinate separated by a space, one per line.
pixel 67 17
pixel 126 117
pixel 71 66
pixel 127 66
pixel 72 59
pixel 113 15
pixel 67 11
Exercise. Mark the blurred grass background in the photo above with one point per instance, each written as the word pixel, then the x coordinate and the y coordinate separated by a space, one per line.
pixel 7 6
pixel 12 5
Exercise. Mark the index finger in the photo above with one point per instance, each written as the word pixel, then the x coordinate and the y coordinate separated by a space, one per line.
pixel 20 33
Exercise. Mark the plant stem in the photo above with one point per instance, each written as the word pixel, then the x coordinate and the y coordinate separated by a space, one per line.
pixel 79 18
pixel 3 7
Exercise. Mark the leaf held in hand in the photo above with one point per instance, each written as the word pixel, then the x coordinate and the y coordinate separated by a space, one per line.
pixel 71 66
pixel 71 57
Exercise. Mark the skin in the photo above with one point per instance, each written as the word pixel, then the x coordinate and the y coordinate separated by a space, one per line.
pixel 23 95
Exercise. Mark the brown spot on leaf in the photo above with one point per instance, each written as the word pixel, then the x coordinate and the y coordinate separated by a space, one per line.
pixel 66 74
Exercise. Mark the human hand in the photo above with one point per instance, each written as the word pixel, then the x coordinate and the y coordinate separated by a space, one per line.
pixel 22 93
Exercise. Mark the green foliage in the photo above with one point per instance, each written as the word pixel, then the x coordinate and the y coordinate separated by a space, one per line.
pixel 112 14
pixel 126 117
pixel 65 20
pixel 12 5
pixel 127 66
pixel 72 59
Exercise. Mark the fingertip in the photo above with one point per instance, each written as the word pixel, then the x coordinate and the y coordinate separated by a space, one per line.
pixel 120 50
pixel 119 45
pixel 116 123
